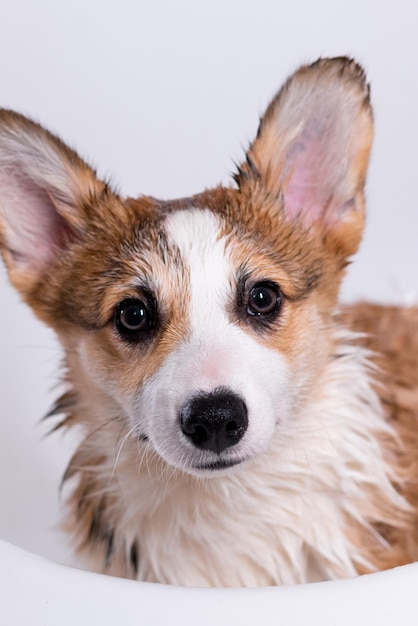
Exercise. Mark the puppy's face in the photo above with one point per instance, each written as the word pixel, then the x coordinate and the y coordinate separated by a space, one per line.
pixel 199 325
pixel 202 339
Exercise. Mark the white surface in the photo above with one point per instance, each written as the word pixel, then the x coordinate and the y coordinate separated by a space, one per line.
pixel 40 592
pixel 164 96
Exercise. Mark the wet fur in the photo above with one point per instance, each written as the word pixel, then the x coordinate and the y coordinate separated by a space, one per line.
pixel 332 490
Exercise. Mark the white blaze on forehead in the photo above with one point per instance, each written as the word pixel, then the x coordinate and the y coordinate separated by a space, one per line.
pixel 216 352
pixel 196 233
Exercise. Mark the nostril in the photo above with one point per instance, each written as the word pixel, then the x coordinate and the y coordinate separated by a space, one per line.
pixel 197 432
pixel 214 421
pixel 233 429
pixel 231 426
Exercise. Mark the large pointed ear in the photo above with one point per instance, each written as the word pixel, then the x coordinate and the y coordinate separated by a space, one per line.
pixel 45 189
pixel 312 149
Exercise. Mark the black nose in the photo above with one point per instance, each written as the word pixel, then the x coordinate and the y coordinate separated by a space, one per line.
pixel 214 421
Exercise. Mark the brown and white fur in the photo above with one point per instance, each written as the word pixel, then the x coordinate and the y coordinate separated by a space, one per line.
pixel 237 427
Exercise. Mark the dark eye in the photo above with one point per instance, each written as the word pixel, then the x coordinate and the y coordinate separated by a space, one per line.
pixel 133 317
pixel 265 299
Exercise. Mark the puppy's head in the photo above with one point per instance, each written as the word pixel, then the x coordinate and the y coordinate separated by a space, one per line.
pixel 200 325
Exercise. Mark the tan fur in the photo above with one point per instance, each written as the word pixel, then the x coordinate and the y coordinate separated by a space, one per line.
pixel 391 332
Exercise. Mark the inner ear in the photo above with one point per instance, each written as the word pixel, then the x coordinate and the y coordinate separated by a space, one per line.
pixel 33 234
pixel 312 148
pixel 45 194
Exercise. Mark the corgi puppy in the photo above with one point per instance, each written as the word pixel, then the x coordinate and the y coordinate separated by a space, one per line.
pixel 237 426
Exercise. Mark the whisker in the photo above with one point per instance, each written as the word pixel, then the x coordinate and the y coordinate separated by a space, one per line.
pixel 119 450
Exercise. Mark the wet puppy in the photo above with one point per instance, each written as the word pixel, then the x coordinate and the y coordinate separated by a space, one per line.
pixel 238 428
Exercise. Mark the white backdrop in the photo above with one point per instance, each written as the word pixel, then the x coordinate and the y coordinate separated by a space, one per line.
pixel 164 96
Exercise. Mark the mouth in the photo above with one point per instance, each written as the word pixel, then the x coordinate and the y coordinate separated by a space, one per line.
pixel 214 466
